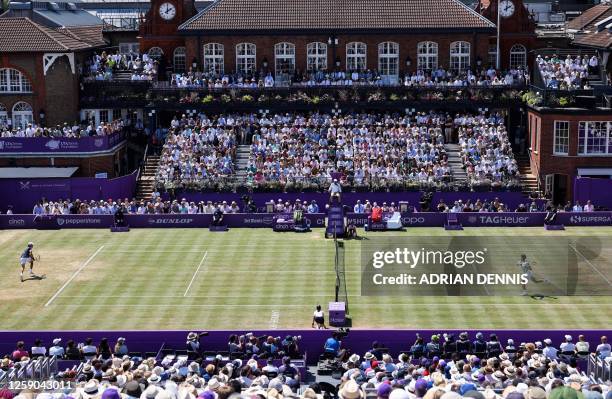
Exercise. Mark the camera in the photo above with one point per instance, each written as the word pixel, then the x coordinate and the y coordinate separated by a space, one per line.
pixel 342 332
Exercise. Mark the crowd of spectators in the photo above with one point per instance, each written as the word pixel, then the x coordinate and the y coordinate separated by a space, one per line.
pixel 361 147
pixel 443 366
pixel 158 206
pixel 570 73
pixel 74 130
pixel 197 149
pixel 485 147
pixel 439 77
pixel 104 66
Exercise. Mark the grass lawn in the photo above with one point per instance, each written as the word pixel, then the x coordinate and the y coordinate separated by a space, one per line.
pixel 248 278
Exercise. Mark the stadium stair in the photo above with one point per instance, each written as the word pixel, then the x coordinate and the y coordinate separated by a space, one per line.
pixel 243 153
pixel 529 181
pixel 146 182
pixel 454 162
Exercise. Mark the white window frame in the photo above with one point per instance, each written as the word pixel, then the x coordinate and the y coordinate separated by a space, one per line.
pixel 561 141
pixel 3 115
pixel 582 149
pixel 388 61
pixel 460 56
pixel 13 81
pixel 156 53
pixel 492 61
pixel 518 56
pixel 132 49
pixel 214 58
pixel 179 59
pixel 22 114
pixel 316 56
pixel 284 59
pixel 427 56
pixel 246 56
pixel 356 56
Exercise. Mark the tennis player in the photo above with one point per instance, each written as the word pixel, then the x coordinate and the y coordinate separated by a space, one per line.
pixel 27 257
pixel 527 269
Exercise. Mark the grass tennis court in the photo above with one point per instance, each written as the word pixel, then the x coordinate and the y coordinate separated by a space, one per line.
pixel 247 278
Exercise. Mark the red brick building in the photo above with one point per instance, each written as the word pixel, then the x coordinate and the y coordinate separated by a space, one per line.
pixel 391 36
pixel 39 79
pixel 565 143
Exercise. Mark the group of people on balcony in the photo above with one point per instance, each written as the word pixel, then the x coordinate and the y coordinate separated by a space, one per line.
pixel 570 73
pixel 74 130
pixel 105 65
pixel 437 77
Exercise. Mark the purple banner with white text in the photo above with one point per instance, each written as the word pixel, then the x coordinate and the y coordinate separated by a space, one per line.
pixel 53 145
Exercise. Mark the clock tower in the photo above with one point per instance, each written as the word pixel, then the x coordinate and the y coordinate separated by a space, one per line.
pixel 517 32
pixel 159 36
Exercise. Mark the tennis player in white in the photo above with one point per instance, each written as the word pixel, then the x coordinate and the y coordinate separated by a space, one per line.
pixel 526 268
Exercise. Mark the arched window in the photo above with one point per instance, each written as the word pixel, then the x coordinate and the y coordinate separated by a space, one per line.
pixel 180 59
pixel 284 59
pixel 518 56
pixel 214 58
pixel 156 53
pixel 3 115
pixel 388 61
pixel 22 114
pixel 245 58
pixel 13 81
pixel 459 56
pixel 427 56
pixel 316 56
pixel 356 56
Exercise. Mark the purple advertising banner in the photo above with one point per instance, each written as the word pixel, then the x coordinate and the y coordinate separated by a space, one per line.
pixel 53 145
pixel 312 342
pixel 598 191
pixel 261 220
pixel 22 194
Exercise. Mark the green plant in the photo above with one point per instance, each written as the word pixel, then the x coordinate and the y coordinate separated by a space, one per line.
pixel 247 98
pixel 208 99
pixel 532 98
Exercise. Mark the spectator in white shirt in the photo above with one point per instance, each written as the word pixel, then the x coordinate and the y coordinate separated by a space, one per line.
pixel 582 345
pixel 567 345
pixel 603 350
pixel 577 207
pixel 588 207
pixel 38 349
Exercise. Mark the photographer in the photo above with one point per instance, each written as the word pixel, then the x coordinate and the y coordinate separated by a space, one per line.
pixel 290 346
pixel 119 216
pixel 193 341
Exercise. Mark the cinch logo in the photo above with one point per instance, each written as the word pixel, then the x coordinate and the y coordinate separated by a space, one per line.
pixel 60 221
pixel 16 222
pixel 24 185
pixel 53 144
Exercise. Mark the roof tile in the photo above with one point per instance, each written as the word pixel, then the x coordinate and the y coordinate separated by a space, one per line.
pixel 24 35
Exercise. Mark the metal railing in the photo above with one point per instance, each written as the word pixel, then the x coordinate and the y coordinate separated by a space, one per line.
pixel 599 369
pixel 39 369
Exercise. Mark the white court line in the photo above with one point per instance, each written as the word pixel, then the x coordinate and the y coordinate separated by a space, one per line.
pixel 590 264
pixel 274 318
pixel 199 305
pixel 88 261
pixel 196 273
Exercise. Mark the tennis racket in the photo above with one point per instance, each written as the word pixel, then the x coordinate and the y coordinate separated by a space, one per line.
pixel 36 258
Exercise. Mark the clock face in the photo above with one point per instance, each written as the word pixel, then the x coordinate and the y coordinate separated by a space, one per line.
pixel 506 8
pixel 167 11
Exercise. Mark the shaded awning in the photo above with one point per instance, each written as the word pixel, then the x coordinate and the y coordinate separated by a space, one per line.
pixel 36 172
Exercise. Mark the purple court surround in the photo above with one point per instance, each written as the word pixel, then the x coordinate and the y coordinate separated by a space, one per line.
pixel 599 191
pixel 261 220
pixel 359 341
pixel 48 146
